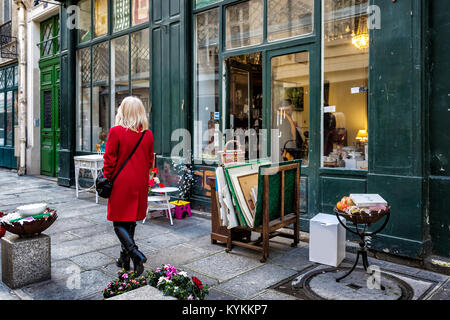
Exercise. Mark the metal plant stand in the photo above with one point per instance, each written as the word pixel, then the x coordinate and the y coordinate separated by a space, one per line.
pixel 365 222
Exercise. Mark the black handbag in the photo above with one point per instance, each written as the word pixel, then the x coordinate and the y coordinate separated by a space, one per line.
pixel 104 186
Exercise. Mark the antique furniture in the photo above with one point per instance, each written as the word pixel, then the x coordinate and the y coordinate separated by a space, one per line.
pixel 161 202
pixel 94 163
pixel 365 221
pixel 277 207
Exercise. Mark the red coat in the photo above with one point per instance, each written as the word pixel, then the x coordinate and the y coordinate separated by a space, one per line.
pixel 128 201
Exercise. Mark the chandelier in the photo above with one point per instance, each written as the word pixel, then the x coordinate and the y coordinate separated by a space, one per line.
pixel 361 38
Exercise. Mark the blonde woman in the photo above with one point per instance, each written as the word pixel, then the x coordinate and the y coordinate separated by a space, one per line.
pixel 128 201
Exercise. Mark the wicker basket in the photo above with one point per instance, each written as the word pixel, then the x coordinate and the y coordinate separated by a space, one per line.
pixel 362 218
pixel 230 156
pixel 32 227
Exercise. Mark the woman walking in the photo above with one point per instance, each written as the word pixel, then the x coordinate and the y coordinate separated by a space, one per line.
pixel 128 201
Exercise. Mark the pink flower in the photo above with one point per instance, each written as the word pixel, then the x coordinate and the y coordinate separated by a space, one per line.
pixel 151 183
pixel 120 288
pixel 109 285
pixel 158 270
pixel 190 297
pixel 125 276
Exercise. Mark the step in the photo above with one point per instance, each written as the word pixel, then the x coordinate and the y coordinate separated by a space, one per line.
pixel 143 293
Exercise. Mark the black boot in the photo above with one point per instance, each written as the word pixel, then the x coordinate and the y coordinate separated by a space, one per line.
pixel 124 260
pixel 138 257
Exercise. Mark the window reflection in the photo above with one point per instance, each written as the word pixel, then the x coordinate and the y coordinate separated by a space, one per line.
pixel 244 24
pixel 140 66
pixel 345 87
pixel 119 73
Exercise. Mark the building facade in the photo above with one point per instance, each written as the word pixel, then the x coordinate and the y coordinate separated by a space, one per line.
pixel 354 88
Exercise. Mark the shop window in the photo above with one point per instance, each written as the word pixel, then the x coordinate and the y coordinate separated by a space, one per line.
pixel 100 94
pixel 84 22
pixel 345 86
pixel 100 17
pixel 140 66
pixel 83 117
pixel 121 14
pixel 290 106
pixel 203 3
pixel 289 18
pixel 140 11
pixel 244 77
pixel 120 72
pixel 206 105
pixel 244 24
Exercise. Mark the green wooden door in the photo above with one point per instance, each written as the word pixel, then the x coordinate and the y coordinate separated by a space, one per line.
pixel 49 96
pixel 168 72
pixel 50 128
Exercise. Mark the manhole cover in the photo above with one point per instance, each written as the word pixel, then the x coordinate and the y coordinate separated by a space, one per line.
pixel 321 284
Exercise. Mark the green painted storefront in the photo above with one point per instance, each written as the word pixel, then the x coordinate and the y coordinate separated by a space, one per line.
pixel 407 108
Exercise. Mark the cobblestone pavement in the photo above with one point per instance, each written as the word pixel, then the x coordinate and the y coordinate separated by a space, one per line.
pixel 83 240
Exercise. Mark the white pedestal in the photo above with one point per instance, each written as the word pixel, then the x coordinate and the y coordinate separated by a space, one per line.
pixel 326 240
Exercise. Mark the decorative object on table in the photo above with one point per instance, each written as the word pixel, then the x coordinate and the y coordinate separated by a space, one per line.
pixel 232 155
pixel 32 209
pixel 153 181
pixel 182 209
pixel 103 185
pixel 372 207
pixel 326 240
pixel 27 226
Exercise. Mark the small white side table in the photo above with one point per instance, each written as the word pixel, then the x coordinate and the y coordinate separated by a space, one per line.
pixel 161 202
pixel 91 162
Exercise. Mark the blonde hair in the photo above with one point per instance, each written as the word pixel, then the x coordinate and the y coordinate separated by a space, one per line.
pixel 131 114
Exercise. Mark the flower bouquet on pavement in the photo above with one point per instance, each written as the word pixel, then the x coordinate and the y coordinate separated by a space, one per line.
pixel 154 181
pixel 126 281
pixel 177 283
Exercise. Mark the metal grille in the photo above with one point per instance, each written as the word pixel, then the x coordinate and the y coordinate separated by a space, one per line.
pixel 100 62
pixel 288 18
pixel 121 57
pixel 47 39
pixel 47 109
pixel 8 43
pixel 140 52
pixel 84 57
pixel 9 73
pixel 2 79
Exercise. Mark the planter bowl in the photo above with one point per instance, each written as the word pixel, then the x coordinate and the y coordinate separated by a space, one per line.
pixel 32 209
pixel 25 228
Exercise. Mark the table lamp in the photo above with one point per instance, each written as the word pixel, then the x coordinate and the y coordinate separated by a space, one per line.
pixel 362 136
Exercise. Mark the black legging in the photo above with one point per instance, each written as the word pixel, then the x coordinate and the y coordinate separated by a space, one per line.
pixel 125 224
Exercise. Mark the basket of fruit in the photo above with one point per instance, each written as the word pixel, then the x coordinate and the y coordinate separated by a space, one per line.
pixel 24 225
pixel 347 209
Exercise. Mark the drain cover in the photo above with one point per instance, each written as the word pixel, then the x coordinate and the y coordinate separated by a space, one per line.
pixel 321 285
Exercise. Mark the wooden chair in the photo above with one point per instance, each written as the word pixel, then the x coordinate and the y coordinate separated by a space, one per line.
pixel 278 206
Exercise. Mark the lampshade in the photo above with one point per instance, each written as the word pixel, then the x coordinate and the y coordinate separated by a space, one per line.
pixel 362 135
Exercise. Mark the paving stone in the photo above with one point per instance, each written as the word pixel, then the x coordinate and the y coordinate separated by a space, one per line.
pixel 58 238
pixel 297 259
pixel 273 295
pixel 442 293
pixel 215 294
pixel 177 256
pixel 111 270
pixel 76 247
pixel 223 266
pixel 6 293
pixel 90 282
pixel 99 217
pixel 62 225
pixel 92 229
pixel 194 231
pixel 204 243
pixel 164 241
pixel 92 260
pixel 63 268
pixel 251 283
pixel 148 230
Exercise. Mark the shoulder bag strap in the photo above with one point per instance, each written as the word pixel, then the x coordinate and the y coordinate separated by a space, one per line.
pixel 129 157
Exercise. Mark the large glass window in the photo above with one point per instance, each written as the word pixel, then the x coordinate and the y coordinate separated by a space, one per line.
pixel 101 17
pixel 100 93
pixel 202 3
pixel 290 106
pixel 244 24
pixel 206 83
pixel 84 21
pixel 140 66
pixel 8 105
pixel 289 18
pixel 2 119
pixel 345 86
pixel 121 14
pixel 120 71
pixel 140 11
pixel 83 119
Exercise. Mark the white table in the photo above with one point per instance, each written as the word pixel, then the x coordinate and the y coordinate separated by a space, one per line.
pixel 91 162
pixel 161 202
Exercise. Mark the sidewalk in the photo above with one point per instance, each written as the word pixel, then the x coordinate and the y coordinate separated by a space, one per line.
pixel 83 240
